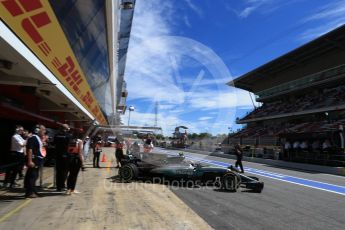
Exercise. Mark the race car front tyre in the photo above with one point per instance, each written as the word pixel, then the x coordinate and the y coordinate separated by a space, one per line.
pixel 230 181
pixel 129 172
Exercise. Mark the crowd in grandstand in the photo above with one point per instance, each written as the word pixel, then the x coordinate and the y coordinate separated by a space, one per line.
pixel 283 128
pixel 327 98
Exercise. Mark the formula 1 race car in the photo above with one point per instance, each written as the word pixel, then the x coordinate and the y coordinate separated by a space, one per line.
pixel 177 168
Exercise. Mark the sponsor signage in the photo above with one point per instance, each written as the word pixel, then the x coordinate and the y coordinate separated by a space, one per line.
pixel 35 23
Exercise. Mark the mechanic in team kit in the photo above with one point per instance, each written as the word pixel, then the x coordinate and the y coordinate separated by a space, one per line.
pixel 135 148
pixel 118 152
pixel 97 149
pixel 239 155
pixel 61 141
pixel 76 162
pixel 34 160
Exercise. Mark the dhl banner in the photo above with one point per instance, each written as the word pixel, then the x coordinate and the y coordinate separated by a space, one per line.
pixel 37 26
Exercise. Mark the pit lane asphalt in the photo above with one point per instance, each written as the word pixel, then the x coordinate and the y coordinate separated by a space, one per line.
pixel 281 205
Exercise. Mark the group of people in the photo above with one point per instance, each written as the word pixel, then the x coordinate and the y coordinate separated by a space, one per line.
pixel 16 157
pixel 27 148
pixel 69 155
pixel 97 144
pixel 304 145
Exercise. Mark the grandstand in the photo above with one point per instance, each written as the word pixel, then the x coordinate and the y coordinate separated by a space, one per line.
pixel 303 101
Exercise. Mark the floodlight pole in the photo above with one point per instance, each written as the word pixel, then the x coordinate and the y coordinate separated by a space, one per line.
pixel 130 109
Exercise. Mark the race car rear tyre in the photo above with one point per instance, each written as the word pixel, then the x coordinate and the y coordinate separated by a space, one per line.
pixel 129 172
pixel 230 181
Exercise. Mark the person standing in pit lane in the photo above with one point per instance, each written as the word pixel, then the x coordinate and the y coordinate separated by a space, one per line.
pixel 34 161
pixel 135 149
pixel 26 135
pixel 76 162
pixel 97 153
pixel 86 148
pixel 118 152
pixel 16 157
pixel 239 155
pixel 61 141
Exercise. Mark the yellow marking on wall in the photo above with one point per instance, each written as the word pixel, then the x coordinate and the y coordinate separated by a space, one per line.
pixel 35 23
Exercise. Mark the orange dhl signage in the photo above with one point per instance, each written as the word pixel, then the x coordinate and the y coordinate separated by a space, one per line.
pixel 35 23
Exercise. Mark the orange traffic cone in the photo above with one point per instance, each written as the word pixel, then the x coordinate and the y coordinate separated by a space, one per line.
pixel 104 159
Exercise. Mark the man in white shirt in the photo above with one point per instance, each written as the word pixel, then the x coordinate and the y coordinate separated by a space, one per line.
pixel 17 142
pixel 304 145
pixel 16 157
pixel 326 145
pixel 296 145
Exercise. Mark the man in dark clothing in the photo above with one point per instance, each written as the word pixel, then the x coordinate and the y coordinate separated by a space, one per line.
pixel 61 141
pixel 97 153
pixel 239 154
pixel 34 161
pixel 76 162
pixel 118 152
pixel 339 139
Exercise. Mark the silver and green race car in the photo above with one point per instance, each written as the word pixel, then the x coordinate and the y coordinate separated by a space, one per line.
pixel 177 168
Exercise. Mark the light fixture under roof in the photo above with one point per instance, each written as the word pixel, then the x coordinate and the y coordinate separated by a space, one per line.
pixel 127 5
pixel 5 64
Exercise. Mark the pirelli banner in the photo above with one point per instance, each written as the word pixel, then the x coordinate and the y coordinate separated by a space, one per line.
pixel 37 26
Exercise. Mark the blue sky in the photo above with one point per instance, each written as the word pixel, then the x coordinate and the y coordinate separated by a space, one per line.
pixel 183 52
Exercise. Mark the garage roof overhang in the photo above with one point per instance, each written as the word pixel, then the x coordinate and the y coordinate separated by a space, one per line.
pixel 28 70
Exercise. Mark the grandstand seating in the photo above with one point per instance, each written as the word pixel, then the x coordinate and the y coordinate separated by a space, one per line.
pixel 327 98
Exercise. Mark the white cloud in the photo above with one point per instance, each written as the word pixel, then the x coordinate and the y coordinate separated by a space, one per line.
pixel 165 120
pixel 247 11
pixel 207 82
pixel 261 6
pixel 329 17
pixel 211 100
pixel 335 9
pixel 194 8
pixel 204 118
pixel 186 21
pixel 313 33
pixel 153 69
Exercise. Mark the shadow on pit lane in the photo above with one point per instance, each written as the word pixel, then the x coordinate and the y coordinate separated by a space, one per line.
pixel 238 190
pixel 116 179
pixel 9 197
pixel 223 190
pixel 13 190
pixel 250 191
pixel 293 169
pixel 102 167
